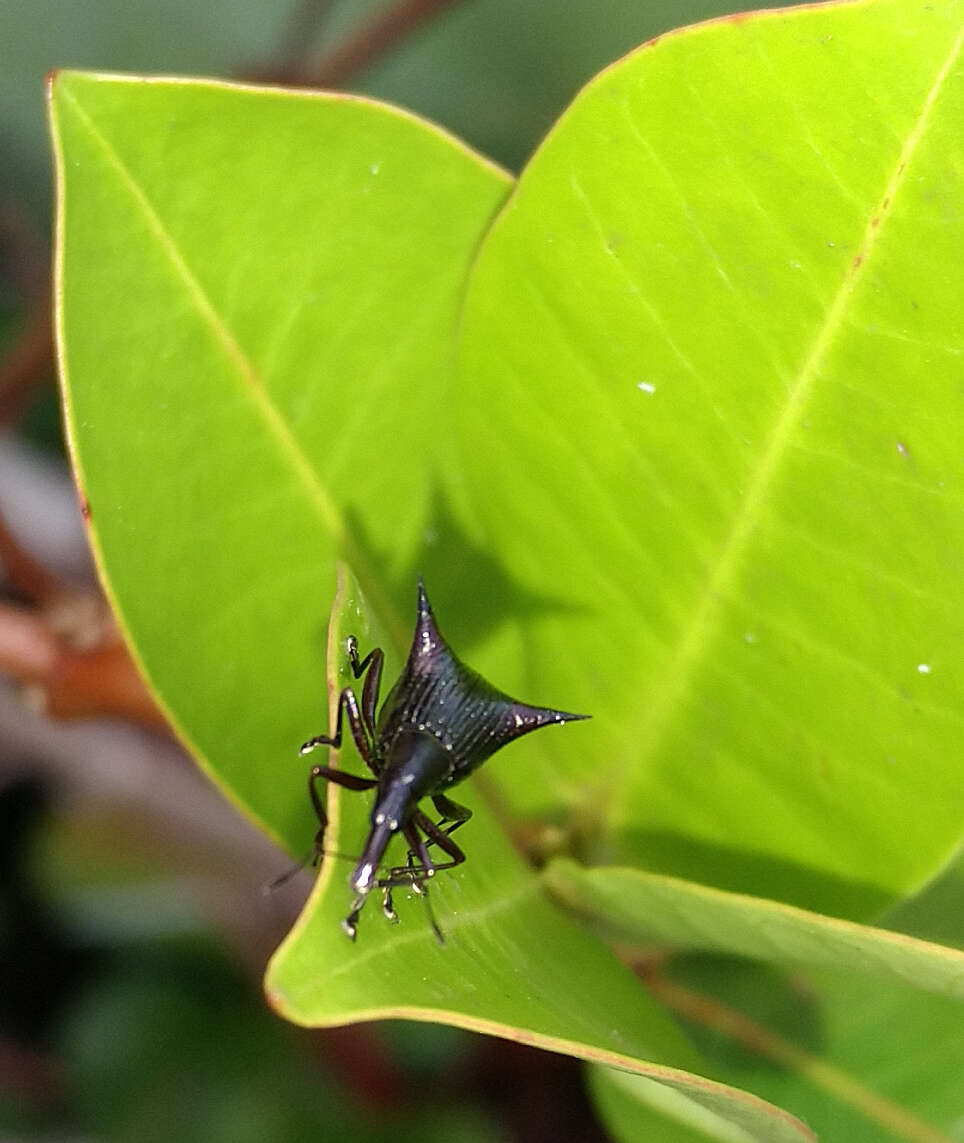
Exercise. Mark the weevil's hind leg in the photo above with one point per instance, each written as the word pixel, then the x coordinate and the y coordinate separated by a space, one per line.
pixel 452 815
pixel 439 837
pixel 373 661
pixel 359 732
pixel 340 778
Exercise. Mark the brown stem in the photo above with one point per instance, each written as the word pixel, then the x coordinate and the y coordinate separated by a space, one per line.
pixel 303 21
pixel 26 574
pixel 385 30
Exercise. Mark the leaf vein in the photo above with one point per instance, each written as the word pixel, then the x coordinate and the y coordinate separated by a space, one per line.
pixel 667 701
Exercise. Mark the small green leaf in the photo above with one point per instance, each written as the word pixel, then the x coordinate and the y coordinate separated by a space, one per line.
pixel 634 1108
pixel 649 908
pixel 864 1060
pixel 720 324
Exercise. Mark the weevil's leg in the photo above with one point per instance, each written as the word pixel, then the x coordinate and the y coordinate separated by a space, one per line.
pixel 387 907
pixel 418 849
pixel 419 878
pixel 451 812
pixel 340 778
pixel 317 851
pixel 375 661
pixel 358 665
pixel 346 702
pixel 376 658
pixel 414 876
pixel 440 838
pixel 350 923
pixel 417 875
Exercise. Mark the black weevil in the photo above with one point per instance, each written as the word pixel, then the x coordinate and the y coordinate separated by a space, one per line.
pixel 440 721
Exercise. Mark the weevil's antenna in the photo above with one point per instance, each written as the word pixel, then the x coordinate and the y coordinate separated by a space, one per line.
pixel 422 891
pixel 312 857
pixel 273 886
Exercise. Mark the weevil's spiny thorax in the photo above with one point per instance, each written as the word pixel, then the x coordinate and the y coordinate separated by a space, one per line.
pixel 439 695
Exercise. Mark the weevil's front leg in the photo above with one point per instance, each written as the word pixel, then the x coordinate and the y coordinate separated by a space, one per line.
pixel 349 782
pixel 411 874
pixel 417 877
pixel 374 661
pixel 340 778
pixel 347 703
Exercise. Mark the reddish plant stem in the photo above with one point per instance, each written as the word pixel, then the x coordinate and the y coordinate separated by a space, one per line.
pixel 26 574
pixel 385 30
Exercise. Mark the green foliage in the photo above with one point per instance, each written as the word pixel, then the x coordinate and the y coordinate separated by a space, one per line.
pixel 673 431
pixel 727 336
pixel 644 908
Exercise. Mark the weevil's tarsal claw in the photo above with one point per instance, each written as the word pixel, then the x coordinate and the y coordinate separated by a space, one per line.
pixel 350 924
pixel 388 908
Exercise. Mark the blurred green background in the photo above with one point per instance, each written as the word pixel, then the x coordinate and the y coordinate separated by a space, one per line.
pixel 133 927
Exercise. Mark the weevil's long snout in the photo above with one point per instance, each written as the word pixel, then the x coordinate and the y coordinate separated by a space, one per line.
pixel 415 764
pixel 363 875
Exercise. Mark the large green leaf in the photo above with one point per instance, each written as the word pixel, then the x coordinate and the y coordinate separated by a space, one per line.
pixel 710 401
pixel 257 291
pixel 511 965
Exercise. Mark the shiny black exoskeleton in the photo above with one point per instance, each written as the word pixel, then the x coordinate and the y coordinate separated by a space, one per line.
pixel 440 721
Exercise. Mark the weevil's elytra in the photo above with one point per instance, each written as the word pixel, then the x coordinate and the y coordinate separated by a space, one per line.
pixel 440 721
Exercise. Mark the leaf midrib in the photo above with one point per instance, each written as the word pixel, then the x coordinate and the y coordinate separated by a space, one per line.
pixel 249 378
